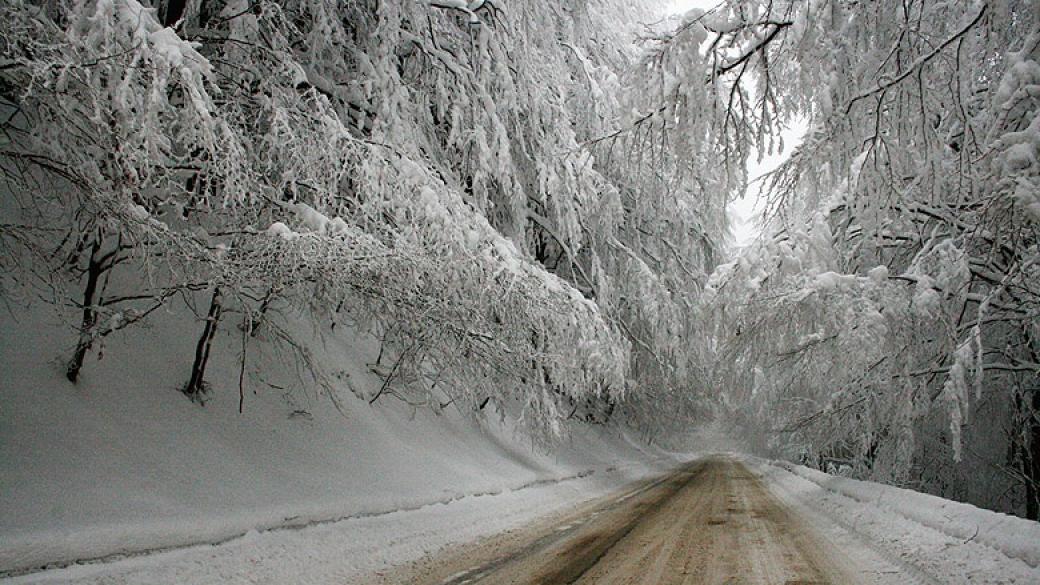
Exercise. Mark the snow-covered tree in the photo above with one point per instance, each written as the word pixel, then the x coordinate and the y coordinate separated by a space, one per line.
pixel 892 312
pixel 457 177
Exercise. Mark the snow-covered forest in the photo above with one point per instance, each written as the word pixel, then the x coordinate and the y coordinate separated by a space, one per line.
pixel 525 205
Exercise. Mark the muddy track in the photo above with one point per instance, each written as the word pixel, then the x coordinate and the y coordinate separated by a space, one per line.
pixel 712 523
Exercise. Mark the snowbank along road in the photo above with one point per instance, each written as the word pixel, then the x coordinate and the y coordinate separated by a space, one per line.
pixel 712 522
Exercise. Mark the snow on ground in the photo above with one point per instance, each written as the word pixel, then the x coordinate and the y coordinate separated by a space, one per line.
pixel 340 552
pixel 939 542
pixel 123 463
pixel 294 490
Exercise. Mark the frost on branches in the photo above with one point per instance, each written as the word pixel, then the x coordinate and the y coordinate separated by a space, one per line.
pixel 887 321
pixel 429 172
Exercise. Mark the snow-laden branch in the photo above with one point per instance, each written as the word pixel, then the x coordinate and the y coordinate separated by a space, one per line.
pixel 918 63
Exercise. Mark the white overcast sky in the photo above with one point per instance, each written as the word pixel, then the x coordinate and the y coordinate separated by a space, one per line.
pixel 744 212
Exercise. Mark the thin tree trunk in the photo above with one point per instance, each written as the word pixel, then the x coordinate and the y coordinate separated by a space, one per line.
pixel 196 386
pixel 89 320
pixel 261 314
pixel 1032 462
pixel 242 369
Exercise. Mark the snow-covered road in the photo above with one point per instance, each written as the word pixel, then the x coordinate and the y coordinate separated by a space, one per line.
pixel 713 522
pixel 720 519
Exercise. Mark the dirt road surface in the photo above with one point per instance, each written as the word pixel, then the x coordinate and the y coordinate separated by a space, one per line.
pixel 712 522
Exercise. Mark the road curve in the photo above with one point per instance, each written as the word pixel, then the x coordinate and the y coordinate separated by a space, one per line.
pixel 712 522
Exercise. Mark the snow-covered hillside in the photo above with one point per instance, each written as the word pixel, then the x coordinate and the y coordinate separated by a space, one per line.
pixel 123 462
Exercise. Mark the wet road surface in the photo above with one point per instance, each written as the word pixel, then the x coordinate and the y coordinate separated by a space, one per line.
pixel 712 522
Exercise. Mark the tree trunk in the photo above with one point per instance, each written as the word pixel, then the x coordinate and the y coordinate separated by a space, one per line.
pixel 196 386
pixel 1031 463
pixel 89 320
pixel 256 321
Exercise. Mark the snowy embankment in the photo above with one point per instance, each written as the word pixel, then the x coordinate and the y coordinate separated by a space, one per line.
pixel 937 540
pixel 1016 537
pixel 122 463
pixel 346 552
